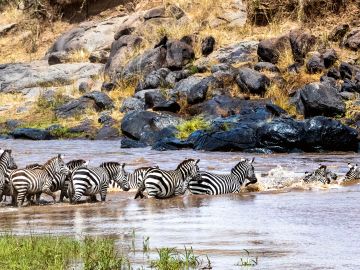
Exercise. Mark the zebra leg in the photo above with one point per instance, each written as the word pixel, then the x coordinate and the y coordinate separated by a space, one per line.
pixel 103 192
pixel 20 198
pixel 62 195
pixel 93 198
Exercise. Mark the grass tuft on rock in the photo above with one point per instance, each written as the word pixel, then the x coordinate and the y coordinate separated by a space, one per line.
pixel 187 127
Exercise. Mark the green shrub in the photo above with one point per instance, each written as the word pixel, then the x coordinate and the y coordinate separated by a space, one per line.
pixel 187 127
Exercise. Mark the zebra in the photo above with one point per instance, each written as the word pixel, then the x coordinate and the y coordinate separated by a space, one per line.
pixel 89 181
pixel 7 164
pixel 353 173
pixel 164 184
pixel 33 181
pixel 216 184
pixel 134 179
pixel 321 174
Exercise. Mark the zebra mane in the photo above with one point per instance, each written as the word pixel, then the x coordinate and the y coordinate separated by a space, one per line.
pixel 109 163
pixel 75 161
pixel 184 162
pixel 5 151
pixel 49 161
pixel 145 168
pixel 34 166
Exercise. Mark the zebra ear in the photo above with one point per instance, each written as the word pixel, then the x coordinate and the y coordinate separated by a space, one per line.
pixel 61 156
pixel 197 161
pixel 242 159
pixel 122 165
pixel 253 159
pixel 87 163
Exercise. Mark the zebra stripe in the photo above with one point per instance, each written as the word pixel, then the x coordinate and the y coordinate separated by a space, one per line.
pixel 34 181
pixel 321 174
pixel 134 179
pixel 7 165
pixel 88 181
pixel 353 173
pixel 215 184
pixel 164 184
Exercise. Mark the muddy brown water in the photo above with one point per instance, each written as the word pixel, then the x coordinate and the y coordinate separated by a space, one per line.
pixel 285 224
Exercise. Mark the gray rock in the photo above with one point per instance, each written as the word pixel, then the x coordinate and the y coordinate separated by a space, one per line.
pixel 182 88
pixel 252 81
pixel 31 134
pixel 347 95
pixel 269 50
pixel 86 126
pixel 240 52
pixel 141 94
pixel 319 99
pixel 346 70
pixel 155 13
pixel 352 40
pixel 58 58
pixel 329 57
pixel 106 119
pixel 19 76
pixel 315 64
pixel 99 56
pixel 153 99
pixel 167 106
pixel 178 54
pixel 75 107
pixel 107 133
pixel 132 104
pixel 207 45
pixel 174 76
pixel 301 43
pixel 339 32
pixel 12 123
pixel 124 30
pixel 199 91
pixel 155 79
pixel 129 143
pixel 102 100
pixel 266 66
pixel 333 73
pixel 176 11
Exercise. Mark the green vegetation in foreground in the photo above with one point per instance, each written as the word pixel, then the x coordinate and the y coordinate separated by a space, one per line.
pixel 188 127
pixel 58 253
pixel 248 261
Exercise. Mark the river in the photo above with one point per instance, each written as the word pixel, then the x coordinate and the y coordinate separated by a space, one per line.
pixel 286 224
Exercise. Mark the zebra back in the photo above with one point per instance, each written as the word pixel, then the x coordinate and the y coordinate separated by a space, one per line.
pixel 353 173
pixel 319 175
pixel 34 166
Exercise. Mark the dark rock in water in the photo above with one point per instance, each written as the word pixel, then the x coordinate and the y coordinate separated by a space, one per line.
pixel 333 73
pixel 338 32
pixel 107 133
pixel 145 63
pixel 315 64
pixel 301 43
pixel 252 81
pixel 346 71
pixel 241 138
pixel 129 143
pixel 269 50
pixel 31 134
pixel 75 107
pixel 132 104
pixel 352 40
pixel 178 54
pixel 266 66
pixel 166 144
pixel 147 126
pixel 319 99
pixel 155 79
pixel 207 45
pixel 329 57
pixel 167 106
pixel 323 133
pixel 199 91
pixel 284 132
pixel 154 13
pixel 153 99
pixel 102 100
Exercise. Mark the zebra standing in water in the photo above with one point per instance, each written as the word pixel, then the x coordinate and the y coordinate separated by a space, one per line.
pixel 215 184
pixel 353 173
pixel 321 174
pixel 136 178
pixel 33 181
pixel 7 165
pixel 89 181
pixel 164 184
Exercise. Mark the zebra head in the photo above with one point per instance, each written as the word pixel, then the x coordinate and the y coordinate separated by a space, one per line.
pixel 56 165
pixel 189 168
pixel 7 160
pixel 353 173
pixel 117 173
pixel 245 170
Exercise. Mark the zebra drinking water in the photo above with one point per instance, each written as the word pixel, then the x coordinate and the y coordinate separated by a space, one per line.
pixel 321 174
pixel 164 184
pixel 215 184
pixel 89 181
pixel 7 165
pixel 34 181
pixel 353 173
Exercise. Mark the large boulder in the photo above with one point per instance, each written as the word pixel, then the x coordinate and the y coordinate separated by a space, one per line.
pixel 171 143
pixel 315 64
pixel 21 76
pixel 178 54
pixel 269 50
pixel 352 40
pixel 156 79
pixel 75 107
pixel 323 133
pixel 252 81
pixel 207 45
pixel 130 143
pixel 102 100
pixel 199 91
pixel 148 126
pixel 132 104
pixel 91 36
pixel 301 43
pixel 107 133
pixel 338 32
pixel 31 134
pixel 183 87
pixel 319 99
pixel 329 57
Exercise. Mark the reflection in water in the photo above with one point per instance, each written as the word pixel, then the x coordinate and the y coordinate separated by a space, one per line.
pixel 287 230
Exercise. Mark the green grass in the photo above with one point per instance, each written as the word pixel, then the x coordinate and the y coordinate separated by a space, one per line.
pixel 58 253
pixel 247 261
pixel 187 127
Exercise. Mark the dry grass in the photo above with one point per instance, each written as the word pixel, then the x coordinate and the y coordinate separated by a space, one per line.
pixel 280 97
pixel 78 56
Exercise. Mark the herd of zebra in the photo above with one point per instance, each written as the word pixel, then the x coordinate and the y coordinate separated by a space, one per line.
pixel 76 179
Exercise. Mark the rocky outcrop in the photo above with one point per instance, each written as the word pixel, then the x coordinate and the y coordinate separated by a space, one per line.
pixel 338 32
pixel 20 76
pixel 252 81
pixel 269 50
pixel 31 134
pixel 301 43
pixel 352 40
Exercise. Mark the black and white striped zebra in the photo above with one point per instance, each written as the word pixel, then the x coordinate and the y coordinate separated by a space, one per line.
pixel 215 184
pixel 135 178
pixel 164 184
pixel 7 165
pixel 88 181
pixel 353 173
pixel 321 174
pixel 34 181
